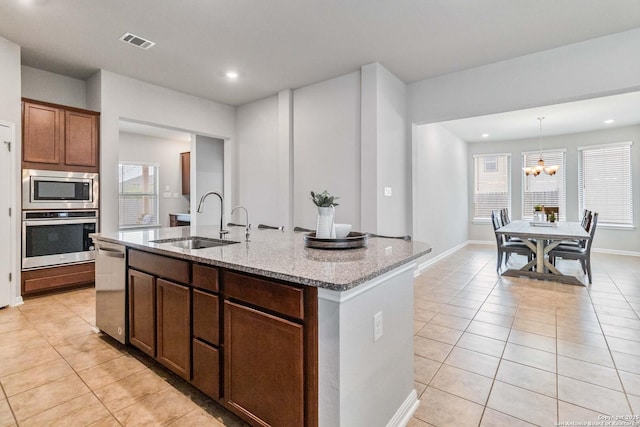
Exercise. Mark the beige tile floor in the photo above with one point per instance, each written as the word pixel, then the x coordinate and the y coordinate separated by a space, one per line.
pixel 489 351
pixel 492 351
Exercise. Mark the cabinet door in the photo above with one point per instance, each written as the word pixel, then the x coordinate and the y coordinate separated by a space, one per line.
pixel 81 139
pixel 264 366
pixel 205 317
pixel 174 332
pixel 43 131
pixel 185 162
pixel 206 369
pixel 142 311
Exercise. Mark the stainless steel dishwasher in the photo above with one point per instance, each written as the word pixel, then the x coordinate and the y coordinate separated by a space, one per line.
pixel 111 303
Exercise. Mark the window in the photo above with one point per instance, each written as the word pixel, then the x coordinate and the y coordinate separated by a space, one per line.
pixel 138 191
pixel 605 182
pixel 544 189
pixel 492 188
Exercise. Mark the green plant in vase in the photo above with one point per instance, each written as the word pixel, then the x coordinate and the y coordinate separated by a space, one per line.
pixel 552 217
pixel 324 199
pixel 538 208
pixel 326 204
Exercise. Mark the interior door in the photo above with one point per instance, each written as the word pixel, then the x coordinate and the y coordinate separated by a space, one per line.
pixel 6 245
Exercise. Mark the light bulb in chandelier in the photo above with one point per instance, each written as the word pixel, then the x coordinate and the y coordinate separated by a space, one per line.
pixel 540 166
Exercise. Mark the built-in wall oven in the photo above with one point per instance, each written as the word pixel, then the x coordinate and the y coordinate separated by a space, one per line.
pixel 43 189
pixel 52 238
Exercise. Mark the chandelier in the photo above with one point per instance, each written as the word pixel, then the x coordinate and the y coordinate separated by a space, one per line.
pixel 537 169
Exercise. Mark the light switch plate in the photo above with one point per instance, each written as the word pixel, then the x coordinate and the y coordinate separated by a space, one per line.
pixel 387 191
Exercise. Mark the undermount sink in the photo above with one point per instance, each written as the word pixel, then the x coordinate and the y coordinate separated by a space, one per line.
pixel 195 242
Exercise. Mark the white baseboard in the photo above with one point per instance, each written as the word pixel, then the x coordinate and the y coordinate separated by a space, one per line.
pixel 615 252
pixel 17 301
pixel 480 242
pixel 405 411
pixel 424 265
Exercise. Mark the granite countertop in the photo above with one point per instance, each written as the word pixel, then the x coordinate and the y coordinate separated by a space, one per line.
pixel 280 254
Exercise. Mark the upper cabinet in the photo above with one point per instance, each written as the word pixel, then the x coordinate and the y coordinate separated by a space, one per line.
pixel 59 138
pixel 185 163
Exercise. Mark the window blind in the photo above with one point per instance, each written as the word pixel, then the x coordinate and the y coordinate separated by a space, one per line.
pixel 605 184
pixel 544 189
pixel 492 189
pixel 138 194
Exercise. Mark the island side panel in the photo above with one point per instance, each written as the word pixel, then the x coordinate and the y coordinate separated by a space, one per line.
pixel 364 381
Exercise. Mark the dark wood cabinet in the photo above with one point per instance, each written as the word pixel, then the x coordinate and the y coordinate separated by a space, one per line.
pixel 43 134
pixel 173 311
pixel 264 366
pixel 51 279
pixel 206 369
pixel 56 137
pixel 142 311
pixel 81 139
pixel 185 167
pixel 247 341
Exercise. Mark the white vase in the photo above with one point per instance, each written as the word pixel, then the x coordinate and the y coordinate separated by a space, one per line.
pixel 324 225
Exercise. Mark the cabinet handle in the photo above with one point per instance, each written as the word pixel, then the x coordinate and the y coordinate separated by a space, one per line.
pixel 110 252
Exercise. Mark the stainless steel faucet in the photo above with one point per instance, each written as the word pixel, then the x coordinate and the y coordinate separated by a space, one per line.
pixel 222 230
pixel 246 220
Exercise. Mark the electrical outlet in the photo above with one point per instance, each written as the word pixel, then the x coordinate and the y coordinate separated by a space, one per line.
pixel 166 195
pixel 387 191
pixel 377 326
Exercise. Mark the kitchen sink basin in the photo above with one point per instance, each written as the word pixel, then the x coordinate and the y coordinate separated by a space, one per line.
pixel 194 242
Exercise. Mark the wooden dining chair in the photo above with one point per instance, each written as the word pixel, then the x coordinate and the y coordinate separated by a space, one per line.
pixel 579 253
pixel 270 227
pixel 505 247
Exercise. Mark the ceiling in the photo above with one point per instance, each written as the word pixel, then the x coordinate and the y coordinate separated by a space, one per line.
pixel 560 119
pixel 286 44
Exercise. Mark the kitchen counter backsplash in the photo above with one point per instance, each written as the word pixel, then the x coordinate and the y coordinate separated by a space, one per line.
pixel 280 255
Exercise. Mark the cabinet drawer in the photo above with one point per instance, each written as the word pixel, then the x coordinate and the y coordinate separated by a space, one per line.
pixel 277 297
pixel 206 369
pixel 205 277
pixel 205 317
pixel 161 266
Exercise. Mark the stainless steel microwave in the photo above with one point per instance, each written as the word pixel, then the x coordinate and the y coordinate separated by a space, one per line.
pixel 42 189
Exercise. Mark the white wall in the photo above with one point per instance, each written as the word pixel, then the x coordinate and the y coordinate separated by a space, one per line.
pixel 166 153
pixel 117 97
pixel 55 88
pixel 208 163
pixel 10 113
pixel 326 152
pixel 440 200
pixel 626 240
pixel 257 136
pixel 384 143
pixel 596 67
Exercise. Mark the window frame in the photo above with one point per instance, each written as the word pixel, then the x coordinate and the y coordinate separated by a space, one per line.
pixel 602 219
pixel 481 157
pixel 156 166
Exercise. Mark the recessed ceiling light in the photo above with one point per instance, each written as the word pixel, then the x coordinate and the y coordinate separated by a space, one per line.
pixel 232 75
pixel 609 121
pixel 485 135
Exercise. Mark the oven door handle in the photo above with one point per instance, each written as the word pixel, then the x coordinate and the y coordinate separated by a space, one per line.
pixel 35 222
pixel 110 252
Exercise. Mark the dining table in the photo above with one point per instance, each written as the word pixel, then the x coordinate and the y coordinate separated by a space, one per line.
pixel 542 237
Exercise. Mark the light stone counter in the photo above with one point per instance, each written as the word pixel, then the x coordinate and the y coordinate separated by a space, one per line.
pixel 281 255
pixel 365 312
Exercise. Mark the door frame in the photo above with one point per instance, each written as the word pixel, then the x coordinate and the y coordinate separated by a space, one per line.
pixel 14 296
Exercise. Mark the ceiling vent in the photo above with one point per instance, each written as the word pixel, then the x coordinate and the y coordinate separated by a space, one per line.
pixel 137 41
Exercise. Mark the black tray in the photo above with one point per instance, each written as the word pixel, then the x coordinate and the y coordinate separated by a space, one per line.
pixel 353 240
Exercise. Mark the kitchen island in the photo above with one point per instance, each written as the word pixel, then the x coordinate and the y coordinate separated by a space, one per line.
pixel 278 333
